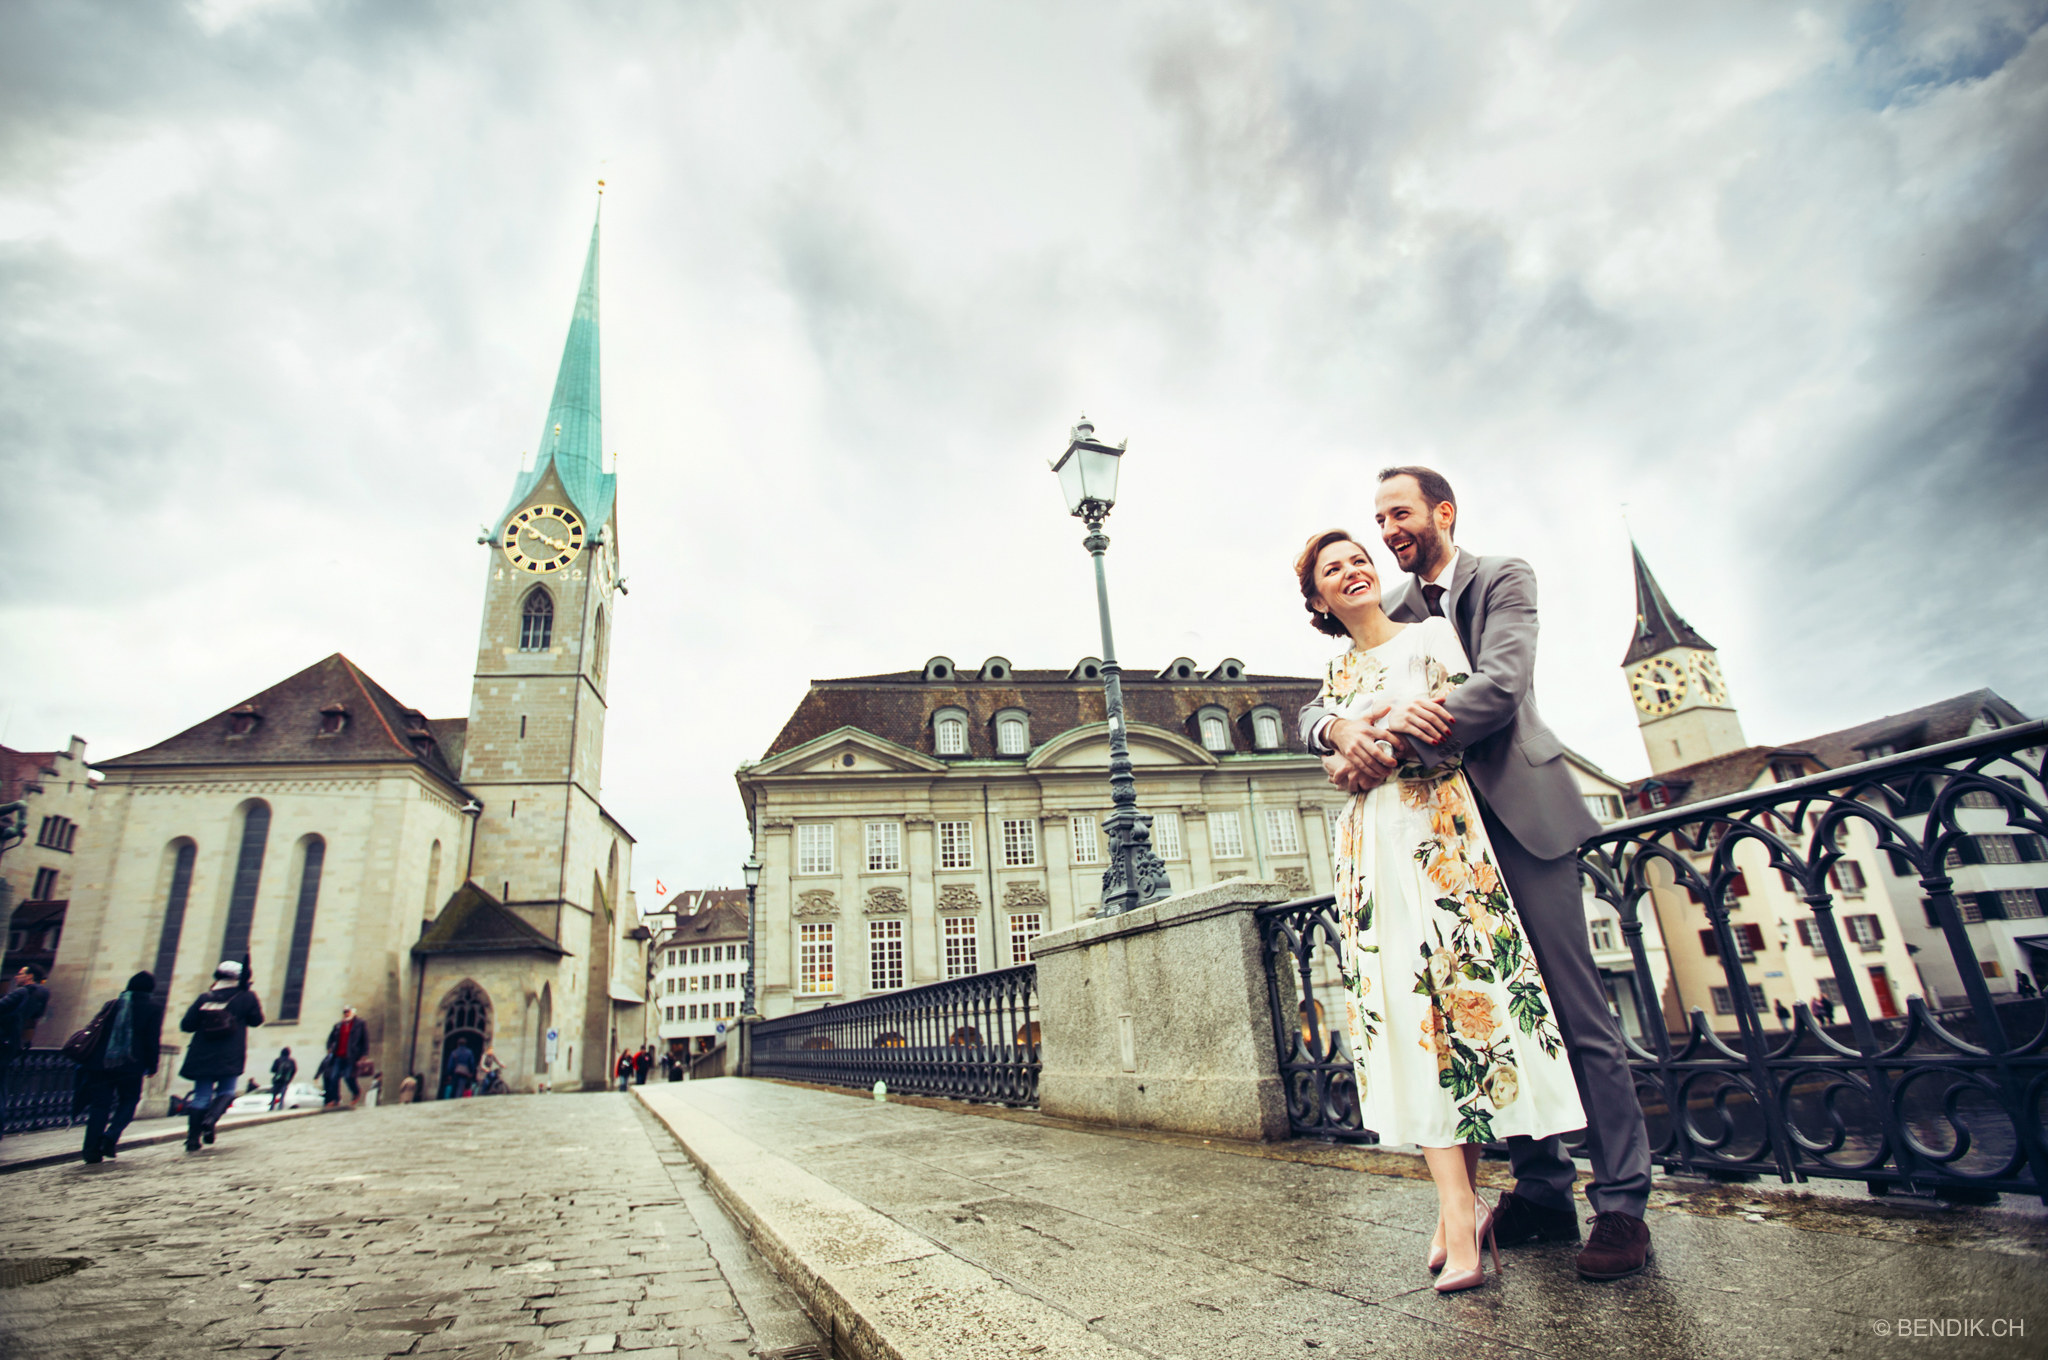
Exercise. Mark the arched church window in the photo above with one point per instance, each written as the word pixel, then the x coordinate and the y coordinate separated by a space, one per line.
pixel 314 860
pixel 183 853
pixel 537 621
pixel 248 875
pixel 597 647
pixel 468 1010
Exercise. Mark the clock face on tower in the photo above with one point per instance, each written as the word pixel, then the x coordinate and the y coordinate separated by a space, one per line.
pixel 1706 675
pixel 1658 685
pixel 543 538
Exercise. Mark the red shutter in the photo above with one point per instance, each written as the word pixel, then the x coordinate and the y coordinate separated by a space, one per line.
pixel 1708 943
pixel 1755 936
pixel 1809 933
pixel 1738 885
pixel 1876 929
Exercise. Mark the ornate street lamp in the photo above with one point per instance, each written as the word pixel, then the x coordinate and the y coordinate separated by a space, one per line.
pixel 1087 473
pixel 752 872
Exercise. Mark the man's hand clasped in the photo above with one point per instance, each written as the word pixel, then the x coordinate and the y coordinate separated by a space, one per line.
pixel 1367 752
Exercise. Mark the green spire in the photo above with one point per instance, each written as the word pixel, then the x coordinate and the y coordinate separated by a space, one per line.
pixel 572 437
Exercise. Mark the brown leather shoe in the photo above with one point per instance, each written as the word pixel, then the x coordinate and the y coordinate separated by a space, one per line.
pixel 1618 1245
pixel 1518 1221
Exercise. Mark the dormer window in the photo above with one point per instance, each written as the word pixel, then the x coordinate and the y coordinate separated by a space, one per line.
pixel 1229 668
pixel 1180 668
pixel 938 670
pixel 1013 732
pixel 333 720
pixel 1785 771
pixel 949 732
pixel 1212 725
pixel 995 668
pixel 1656 796
pixel 1087 668
pixel 1266 728
pixel 1878 750
pixel 244 721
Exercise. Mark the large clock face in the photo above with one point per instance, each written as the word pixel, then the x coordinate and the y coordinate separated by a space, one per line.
pixel 1706 674
pixel 543 538
pixel 1658 685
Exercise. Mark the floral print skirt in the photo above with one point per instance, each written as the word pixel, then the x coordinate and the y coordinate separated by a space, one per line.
pixel 1453 1038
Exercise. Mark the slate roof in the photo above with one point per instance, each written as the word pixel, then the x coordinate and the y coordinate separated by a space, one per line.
pixel 378 729
pixel 898 707
pixel 19 769
pixel 721 914
pixel 1658 626
pixel 474 922
pixel 1737 771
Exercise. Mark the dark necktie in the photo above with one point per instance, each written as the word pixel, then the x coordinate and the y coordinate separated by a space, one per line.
pixel 1434 594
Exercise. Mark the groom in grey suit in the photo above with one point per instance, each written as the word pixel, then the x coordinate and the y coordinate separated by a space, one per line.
pixel 1536 818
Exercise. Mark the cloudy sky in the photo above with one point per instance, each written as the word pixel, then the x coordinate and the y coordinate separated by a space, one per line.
pixel 283 287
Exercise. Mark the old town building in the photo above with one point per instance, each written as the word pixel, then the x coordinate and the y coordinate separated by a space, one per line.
pixel 699 967
pixel 450 878
pixel 1697 751
pixel 929 823
pixel 36 871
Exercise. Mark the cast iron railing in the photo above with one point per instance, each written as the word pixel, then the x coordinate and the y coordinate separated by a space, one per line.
pixel 39 1083
pixel 970 1038
pixel 1954 1103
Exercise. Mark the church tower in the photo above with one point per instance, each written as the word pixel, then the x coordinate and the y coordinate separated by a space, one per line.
pixel 1682 703
pixel 534 751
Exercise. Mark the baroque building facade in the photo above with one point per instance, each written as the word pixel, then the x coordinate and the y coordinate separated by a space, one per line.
pixel 453 878
pixel 929 824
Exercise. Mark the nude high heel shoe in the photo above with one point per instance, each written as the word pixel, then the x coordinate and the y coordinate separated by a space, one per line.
pixel 1451 1281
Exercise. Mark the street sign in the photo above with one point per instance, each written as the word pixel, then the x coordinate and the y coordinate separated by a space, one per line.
pixel 721 1027
pixel 554 1046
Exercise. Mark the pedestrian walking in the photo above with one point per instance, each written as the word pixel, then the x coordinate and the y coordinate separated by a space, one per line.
pixel 19 1011
pixel 219 1023
pixel 111 1073
pixel 1827 1009
pixel 282 1070
pixel 624 1070
pixel 346 1044
pixel 2024 983
pixel 493 1069
pixel 642 1061
pixel 1784 1015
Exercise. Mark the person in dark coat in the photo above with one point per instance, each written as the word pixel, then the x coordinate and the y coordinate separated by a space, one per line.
pixel 281 1073
pixel 110 1078
pixel 461 1070
pixel 642 1061
pixel 219 1023
pixel 19 1011
pixel 347 1042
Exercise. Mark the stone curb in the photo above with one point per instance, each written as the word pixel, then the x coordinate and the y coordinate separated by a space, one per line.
pixel 77 1154
pixel 877 1289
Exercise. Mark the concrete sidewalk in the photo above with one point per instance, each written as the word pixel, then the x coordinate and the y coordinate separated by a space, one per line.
pixel 55 1147
pixel 920 1231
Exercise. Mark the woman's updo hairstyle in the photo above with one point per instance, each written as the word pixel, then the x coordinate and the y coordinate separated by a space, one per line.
pixel 1305 570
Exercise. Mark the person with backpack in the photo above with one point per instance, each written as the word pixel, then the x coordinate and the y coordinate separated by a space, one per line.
pixel 124 1052
pixel 219 1023
pixel 281 1073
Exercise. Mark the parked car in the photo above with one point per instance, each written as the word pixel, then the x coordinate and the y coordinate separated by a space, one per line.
pixel 300 1095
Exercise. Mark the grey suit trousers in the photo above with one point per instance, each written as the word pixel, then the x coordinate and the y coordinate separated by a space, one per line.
pixel 1547 898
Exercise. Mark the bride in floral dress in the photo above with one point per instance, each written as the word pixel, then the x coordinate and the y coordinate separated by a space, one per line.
pixel 1451 1029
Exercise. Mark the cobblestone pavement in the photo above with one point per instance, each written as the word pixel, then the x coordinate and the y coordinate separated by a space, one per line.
pixel 515 1226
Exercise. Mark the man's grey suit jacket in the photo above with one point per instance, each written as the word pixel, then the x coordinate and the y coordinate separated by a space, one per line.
pixel 1513 759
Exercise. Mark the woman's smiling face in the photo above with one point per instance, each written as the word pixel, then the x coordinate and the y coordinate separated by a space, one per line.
pixel 1347 584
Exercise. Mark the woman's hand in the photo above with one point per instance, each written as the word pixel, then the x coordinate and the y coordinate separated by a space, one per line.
pixel 1364 752
pixel 1423 720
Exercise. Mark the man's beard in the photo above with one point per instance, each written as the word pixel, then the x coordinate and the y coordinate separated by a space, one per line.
pixel 1431 552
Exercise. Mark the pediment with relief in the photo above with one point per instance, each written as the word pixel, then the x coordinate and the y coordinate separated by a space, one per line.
pixel 848 751
pixel 1088 748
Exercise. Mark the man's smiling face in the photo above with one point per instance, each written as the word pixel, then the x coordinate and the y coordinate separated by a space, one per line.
pixel 1418 536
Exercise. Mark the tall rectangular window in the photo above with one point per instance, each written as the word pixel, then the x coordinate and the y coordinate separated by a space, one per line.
pixel 1020 842
pixel 956 845
pixel 952 737
pixel 1226 835
pixel 1025 926
pixel 814 959
pixel 814 848
pixel 1866 932
pixel 885 955
pixel 174 914
pixel 1603 933
pixel 1999 849
pixel 248 874
pixel 963 953
pixel 1087 850
pixel 1166 835
pixel 885 847
pixel 1283 835
pixel 46 885
pixel 302 931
